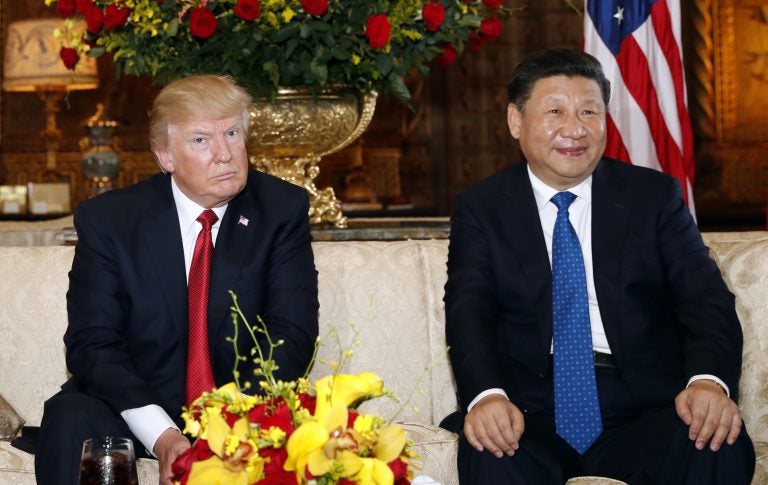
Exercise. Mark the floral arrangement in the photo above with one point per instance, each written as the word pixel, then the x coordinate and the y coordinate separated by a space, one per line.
pixel 263 44
pixel 289 434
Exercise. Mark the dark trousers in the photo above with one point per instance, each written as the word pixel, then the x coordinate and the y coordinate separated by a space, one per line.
pixel 69 418
pixel 649 447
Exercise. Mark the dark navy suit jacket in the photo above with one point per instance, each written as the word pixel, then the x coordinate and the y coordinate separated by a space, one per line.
pixel 127 300
pixel 667 313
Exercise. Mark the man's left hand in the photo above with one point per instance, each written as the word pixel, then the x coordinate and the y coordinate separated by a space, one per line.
pixel 712 417
pixel 168 447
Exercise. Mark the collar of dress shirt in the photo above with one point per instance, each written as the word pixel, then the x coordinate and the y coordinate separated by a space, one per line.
pixel 189 211
pixel 544 193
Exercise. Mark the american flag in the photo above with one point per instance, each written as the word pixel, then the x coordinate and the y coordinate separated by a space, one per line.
pixel 638 42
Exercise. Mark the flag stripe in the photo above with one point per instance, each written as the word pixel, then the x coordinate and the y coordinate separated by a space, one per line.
pixel 664 25
pixel 632 125
pixel 639 81
pixel 640 50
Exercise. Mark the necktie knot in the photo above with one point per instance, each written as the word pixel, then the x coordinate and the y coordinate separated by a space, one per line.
pixel 207 218
pixel 563 200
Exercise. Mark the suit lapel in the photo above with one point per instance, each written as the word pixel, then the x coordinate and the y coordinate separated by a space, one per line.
pixel 163 237
pixel 527 240
pixel 234 238
pixel 610 224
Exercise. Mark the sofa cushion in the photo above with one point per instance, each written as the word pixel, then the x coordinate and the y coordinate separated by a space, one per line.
pixel 33 318
pixel 10 422
pixel 744 265
pixel 390 294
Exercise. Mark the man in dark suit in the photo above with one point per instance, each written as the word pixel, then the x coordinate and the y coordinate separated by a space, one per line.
pixel 127 340
pixel 666 343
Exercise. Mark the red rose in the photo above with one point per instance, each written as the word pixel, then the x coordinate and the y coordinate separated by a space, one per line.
pixel 433 14
pixel 115 17
pixel 399 468
pixel 491 28
pixel 94 18
pixel 183 463
pixel 377 31
pixel 493 3
pixel 448 56
pixel 202 22
pixel 70 57
pixel 273 469
pixel 66 8
pixel 476 41
pixel 315 7
pixel 248 9
pixel 308 402
pixel 83 6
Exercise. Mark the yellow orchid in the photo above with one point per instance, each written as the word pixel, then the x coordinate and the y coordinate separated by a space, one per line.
pixel 374 472
pixel 325 445
pixel 236 460
pixel 345 390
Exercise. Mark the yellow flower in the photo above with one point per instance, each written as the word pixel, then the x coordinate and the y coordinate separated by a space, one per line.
pixel 374 472
pixel 236 460
pixel 345 390
pixel 288 14
pixel 323 444
pixel 391 442
pixel 275 434
pixel 214 472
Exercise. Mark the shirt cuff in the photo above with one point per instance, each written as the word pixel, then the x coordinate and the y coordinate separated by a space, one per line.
pixel 147 423
pixel 709 377
pixel 487 392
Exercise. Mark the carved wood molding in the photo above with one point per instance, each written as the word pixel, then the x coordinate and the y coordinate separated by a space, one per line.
pixel 727 81
pixel 703 79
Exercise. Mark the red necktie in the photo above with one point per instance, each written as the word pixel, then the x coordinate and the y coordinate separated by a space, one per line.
pixel 199 372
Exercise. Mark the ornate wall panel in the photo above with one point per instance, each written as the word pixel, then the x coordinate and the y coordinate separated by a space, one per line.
pixel 728 76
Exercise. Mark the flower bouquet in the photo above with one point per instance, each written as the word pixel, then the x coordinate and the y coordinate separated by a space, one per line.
pixel 263 44
pixel 293 432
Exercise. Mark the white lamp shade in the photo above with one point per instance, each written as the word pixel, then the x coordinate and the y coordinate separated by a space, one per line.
pixel 32 59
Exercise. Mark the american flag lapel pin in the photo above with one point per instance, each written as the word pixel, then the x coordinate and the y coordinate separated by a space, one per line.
pixel 242 220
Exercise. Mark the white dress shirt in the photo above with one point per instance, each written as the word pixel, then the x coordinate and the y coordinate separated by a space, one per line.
pixel 580 215
pixel 147 423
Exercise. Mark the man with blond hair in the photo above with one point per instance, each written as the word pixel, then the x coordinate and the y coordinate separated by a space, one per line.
pixel 131 337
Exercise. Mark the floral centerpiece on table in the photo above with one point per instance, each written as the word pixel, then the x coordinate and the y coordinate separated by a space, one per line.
pixel 293 432
pixel 263 44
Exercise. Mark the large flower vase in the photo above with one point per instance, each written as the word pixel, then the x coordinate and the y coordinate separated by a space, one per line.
pixel 290 135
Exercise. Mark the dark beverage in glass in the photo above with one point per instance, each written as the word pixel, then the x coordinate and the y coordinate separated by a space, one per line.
pixel 108 461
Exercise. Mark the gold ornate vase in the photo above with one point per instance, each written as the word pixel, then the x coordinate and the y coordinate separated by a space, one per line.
pixel 290 135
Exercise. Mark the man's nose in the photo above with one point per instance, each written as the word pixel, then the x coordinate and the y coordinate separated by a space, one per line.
pixel 222 151
pixel 573 127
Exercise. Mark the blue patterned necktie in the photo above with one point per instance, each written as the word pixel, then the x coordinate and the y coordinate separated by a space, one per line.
pixel 577 410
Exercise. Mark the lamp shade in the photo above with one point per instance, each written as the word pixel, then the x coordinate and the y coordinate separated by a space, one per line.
pixel 32 61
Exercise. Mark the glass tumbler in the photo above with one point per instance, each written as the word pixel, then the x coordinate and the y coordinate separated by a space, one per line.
pixel 108 461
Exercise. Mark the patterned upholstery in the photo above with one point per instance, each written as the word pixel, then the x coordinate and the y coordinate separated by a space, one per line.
pixel 389 292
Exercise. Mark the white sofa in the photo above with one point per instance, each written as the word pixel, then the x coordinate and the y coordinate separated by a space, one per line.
pixel 391 292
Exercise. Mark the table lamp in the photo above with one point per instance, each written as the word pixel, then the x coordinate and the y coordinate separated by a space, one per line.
pixel 32 63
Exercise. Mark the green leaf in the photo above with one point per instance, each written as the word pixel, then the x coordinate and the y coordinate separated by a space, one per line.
pixel 173 27
pixel 400 90
pixel 270 68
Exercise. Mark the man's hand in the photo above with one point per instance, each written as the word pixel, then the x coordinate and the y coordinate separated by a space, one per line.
pixel 168 446
pixel 711 416
pixel 494 424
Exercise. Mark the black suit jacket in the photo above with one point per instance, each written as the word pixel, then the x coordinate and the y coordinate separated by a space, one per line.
pixel 127 301
pixel 666 311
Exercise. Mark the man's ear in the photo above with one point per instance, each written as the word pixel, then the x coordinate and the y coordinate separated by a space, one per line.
pixel 514 120
pixel 164 160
